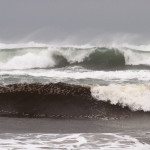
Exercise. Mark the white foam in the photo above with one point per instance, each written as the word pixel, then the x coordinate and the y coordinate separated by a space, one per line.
pixel 74 53
pixel 120 76
pixel 29 60
pixel 88 141
pixel 43 58
pixel 136 58
pixel 136 96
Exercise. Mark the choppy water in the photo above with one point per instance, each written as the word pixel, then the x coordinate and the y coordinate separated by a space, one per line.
pixel 118 73
pixel 95 141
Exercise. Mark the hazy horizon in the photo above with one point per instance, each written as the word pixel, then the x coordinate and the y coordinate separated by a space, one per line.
pixel 76 20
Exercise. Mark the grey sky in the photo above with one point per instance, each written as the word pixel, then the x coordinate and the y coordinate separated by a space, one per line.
pixel 47 20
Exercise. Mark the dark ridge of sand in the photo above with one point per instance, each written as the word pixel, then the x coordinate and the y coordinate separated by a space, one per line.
pixel 56 100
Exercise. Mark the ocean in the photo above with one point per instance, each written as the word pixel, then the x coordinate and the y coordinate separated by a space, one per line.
pixel 55 96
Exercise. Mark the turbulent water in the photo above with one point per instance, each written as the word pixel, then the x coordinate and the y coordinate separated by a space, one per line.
pixel 93 57
pixel 116 74
pixel 73 141
pixel 119 73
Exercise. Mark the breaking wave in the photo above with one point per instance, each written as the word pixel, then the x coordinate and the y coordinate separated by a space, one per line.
pixel 62 100
pixel 135 96
pixel 48 56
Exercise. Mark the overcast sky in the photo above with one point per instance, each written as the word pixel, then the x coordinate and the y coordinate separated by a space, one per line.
pixel 46 20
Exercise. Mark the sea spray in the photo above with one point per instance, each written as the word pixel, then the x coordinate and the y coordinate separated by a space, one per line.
pixel 135 96
pixel 30 56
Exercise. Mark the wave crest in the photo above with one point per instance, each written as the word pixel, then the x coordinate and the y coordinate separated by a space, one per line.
pixel 90 57
pixel 134 96
pixel 62 100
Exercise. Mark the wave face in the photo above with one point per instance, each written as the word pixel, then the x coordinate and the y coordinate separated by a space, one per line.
pixel 62 100
pixel 115 78
pixel 47 56
pixel 55 101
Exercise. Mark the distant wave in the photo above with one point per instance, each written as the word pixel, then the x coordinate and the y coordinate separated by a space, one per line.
pixel 46 56
pixel 61 100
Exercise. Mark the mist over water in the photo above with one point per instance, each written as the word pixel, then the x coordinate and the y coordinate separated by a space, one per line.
pixel 74 21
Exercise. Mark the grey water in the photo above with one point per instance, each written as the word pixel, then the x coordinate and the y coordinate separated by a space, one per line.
pixel 104 45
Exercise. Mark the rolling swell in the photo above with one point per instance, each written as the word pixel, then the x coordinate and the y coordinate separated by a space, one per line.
pixel 57 100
